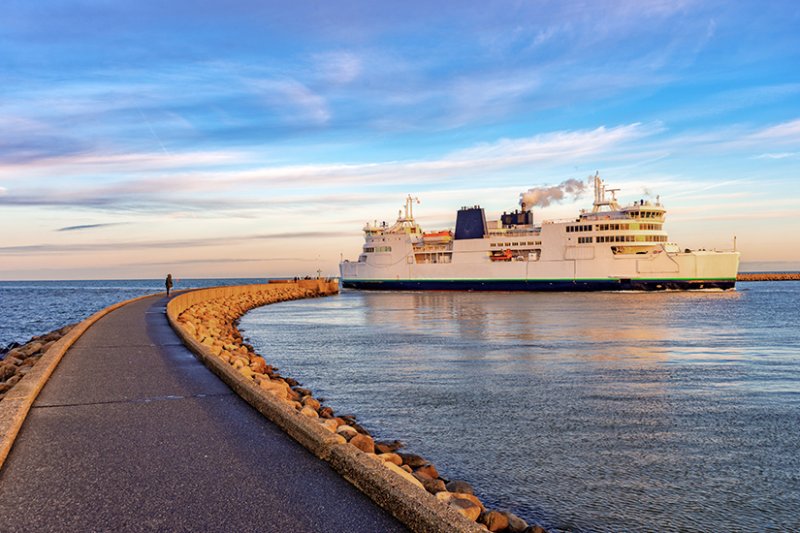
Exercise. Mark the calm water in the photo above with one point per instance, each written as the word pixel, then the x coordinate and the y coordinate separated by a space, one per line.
pixel 29 308
pixel 623 412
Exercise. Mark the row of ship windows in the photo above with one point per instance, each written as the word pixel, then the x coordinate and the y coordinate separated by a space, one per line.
pixel 644 214
pixel 378 249
pixel 614 227
pixel 573 229
pixel 521 243
pixel 625 238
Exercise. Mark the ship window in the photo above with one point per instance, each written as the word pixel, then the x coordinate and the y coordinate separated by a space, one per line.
pixel 584 240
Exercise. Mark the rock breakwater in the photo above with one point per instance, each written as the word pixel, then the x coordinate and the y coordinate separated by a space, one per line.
pixel 213 323
pixel 19 359
pixel 768 276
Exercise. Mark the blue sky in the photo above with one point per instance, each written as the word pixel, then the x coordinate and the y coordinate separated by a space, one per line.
pixel 255 138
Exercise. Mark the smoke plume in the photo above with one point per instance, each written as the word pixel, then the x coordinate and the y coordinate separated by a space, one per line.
pixel 544 196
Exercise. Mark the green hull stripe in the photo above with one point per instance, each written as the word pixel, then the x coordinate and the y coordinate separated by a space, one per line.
pixel 535 279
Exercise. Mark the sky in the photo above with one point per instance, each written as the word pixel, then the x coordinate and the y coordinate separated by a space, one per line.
pixel 255 138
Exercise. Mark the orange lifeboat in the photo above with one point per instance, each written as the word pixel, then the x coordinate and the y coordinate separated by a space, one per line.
pixel 437 236
pixel 505 255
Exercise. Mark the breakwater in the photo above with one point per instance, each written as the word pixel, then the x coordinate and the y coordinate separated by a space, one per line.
pixel 768 276
pixel 18 360
pixel 406 484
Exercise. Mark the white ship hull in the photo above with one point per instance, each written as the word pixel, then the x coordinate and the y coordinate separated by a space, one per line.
pixel 620 249
pixel 663 271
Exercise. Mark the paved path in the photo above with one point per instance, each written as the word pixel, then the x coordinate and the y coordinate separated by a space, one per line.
pixel 133 433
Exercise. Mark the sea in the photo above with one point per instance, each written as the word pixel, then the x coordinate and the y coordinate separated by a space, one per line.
pixel 581 412
pixel 29 308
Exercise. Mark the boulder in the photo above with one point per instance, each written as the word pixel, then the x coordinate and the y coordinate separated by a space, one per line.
pixel 447 496
pixel 47 346
pixel 246 372
pixel 325 412
pixel 391 457
pixel 360 428
pixel 330 424
pixel 388 447
pixel 259 365
pixel 275 387
pixel 466 508
pixel 494 520
pixel 13 360
pixel 374 458
pixel 7 370
pixel 300 390
pixel 402 473
pixel 433 486
pixel 413 460
pixel 346 431
pixel 460 486
pixel 32 348
pixel 515 523
pixel 309 412
pixel 363 443
pixel 311 402
pixel 428 471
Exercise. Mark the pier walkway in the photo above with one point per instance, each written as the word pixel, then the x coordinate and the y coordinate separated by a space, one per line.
pixel 132 433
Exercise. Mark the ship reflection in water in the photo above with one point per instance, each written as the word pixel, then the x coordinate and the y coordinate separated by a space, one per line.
pixel 585 411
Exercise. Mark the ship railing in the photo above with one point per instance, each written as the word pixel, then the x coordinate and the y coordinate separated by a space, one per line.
pixel 561 221
pixel 496 232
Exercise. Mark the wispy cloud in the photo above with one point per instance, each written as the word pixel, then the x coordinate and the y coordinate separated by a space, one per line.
pixel 338 68
pixel 779 155
pixel 113 163
pixel 49 248
pixel 292 99
pixel 784 132
pixel 82 227
pixel 176 190
pixel 226 261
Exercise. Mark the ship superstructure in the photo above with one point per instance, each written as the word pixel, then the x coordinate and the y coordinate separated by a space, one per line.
pixel 609 247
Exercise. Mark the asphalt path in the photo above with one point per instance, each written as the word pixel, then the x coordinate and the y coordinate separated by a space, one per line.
pixel 132 433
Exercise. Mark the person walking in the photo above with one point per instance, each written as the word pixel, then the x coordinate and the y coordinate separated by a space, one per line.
pixel 168 283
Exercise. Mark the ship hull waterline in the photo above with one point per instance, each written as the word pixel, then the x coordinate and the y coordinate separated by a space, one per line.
pixel 549 285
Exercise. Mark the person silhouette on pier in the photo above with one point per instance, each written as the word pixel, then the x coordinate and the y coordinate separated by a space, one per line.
pixel 168 283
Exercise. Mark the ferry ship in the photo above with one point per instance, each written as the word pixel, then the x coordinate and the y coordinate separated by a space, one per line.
pixel 608 248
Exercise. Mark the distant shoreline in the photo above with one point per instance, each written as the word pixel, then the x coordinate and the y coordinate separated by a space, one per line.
pixel 768 276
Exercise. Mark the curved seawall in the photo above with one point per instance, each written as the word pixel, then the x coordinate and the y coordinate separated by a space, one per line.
pixel 205 321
